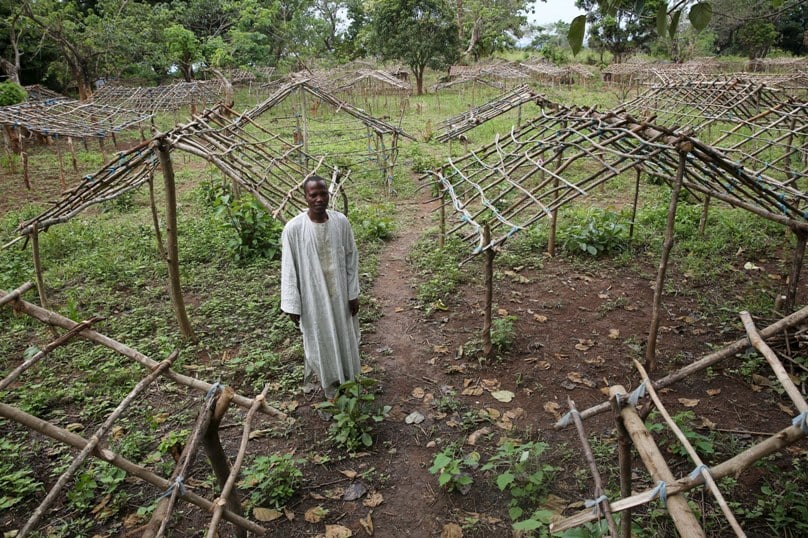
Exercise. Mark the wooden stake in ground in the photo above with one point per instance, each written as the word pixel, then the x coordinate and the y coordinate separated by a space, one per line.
pixel 172 250
pixel 61 158
pixel 488 252
pixel 653 331
pixel 624 463
pixel 634 204
pixel 796 268
pixel 40 280
pixel 683 518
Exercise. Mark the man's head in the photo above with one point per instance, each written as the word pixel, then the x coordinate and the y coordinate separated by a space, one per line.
pixel 315 191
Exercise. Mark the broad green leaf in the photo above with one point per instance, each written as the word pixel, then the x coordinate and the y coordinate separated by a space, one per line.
pixel 662 19
pixel 504 480
pixel 700 15
pixel 674 22
pixel 527 525
pixel 575 36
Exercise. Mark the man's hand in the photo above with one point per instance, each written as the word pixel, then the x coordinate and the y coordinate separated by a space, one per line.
pixel 353 304
pixel 295 319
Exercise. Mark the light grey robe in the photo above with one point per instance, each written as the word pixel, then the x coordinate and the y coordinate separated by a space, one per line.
pixel 319 275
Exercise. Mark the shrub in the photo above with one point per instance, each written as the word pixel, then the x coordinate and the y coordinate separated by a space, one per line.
pixel 353 414
pixel 273 479
pixel 11 93
pixel 601 232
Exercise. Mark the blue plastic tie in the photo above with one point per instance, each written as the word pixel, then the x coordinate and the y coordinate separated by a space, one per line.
pixel 661 491
pixel 212 390
pixel 595 503
pixel 697 471
pixel 636 394
pixel 619 399
pixel 566 420
pixel 177 484
pixel 801 420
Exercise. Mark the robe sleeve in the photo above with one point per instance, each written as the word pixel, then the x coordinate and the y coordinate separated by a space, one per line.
pixel 290 287
pixel 351 262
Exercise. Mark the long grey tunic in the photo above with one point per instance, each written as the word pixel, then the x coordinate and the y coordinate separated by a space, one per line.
pixel 319 275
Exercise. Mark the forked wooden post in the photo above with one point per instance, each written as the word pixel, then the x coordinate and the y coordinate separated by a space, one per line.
pixel 172 250
pixel 796 268
pixel 653 332
pixel 683 518
pixel 488 348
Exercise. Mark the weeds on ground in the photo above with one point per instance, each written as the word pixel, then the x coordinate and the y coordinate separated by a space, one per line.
pixel 352 414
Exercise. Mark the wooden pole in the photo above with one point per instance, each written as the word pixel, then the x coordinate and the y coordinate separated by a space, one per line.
pixel 73 159
pixel 442 237
pixel 94 441
pixel 796 268
pixel 634 204
pixel 103 148
pixel 488 349
pixel 653 331
pixel 26 179
pixel 705 208
pixel 13 295
pixel 40 280
pixel 593 468
pixel 172 251
pixel 61 157
pixel 683 518
pixel 216 454
pixel 624 463
pixel 158 235
pixel 76 441
pixel 551 239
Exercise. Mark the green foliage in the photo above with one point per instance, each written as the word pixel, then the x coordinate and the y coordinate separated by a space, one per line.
pixel 438 268
pixel 11 93
pixel 452 468
pixel 503 333
pixel 601 232
pixel 373 223
pixel 255 232
pixel 781 508
pixel 16 477
pixel 703 444
pixel 353 414
pixel 519 470
pixel 273 480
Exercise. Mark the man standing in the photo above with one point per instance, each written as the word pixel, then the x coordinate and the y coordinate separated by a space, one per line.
pixel 320 288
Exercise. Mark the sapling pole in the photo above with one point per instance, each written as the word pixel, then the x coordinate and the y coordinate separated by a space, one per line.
pixel 442 236
pixel 624 463
pixel 634 203
pixel 796 269
pixel 705 209
pixel 73 159
pixel 158 235
pixel 60 156
pixel 172 250
pixel 488 252
pixel 25 176
pixel 40 280
pixel 15 294
pixel 653 331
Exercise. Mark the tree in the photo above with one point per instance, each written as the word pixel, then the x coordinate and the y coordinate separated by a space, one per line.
pixel 421 33
pixel 793 29
pixel 622 27
pixel 488 26
pixel 756 38
pixel 741 24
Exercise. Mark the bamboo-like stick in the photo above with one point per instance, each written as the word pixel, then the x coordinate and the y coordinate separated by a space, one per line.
pixel 61 340
pixel 634 202
pixel 624 462
pixel 777 366
pixel 53 318
pixel 653 331
pixel 224 496
pixel 158 235
pixel 683 518
pixel 15 294
pixel 93 442
pixel 593 468
pixel 40 280
pixel 488 349
pixel 76 441
pixel 708 479
pixel 708 360
pixel 796 269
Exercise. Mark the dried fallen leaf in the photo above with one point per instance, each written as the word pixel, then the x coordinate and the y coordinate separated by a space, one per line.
pixel 416 417
pixel 398 309
pixel 713 392
pixel 337 531
pixel 472 391
pixel 503 396
pixel 418 392
pixel 758 379
pixel 584 344
pixel 689 402
pixel 614 334
pixel 355 491
pixel 595 360
pixel 603 295
pixel 451 530
pixel 334 494
pixel 539 318
pixel 553 408
pixel 266 514
pixel 290 516
pixel 440 348
pixel 577 377
pixel 785 409
pixel 707 423
pixel 490 413
pixel 315 514
pixel 373 500
pixel 490 384
pixel 367 523
pixel 475 436
pixel 513 414
pixel 502 312
pixel 349 473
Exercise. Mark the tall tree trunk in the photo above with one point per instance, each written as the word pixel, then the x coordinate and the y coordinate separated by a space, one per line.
pixel 459 4
pixel 419 78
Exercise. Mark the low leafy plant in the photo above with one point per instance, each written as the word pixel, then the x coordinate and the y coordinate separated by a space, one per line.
pixel 452 468
pixel 353 414
pixel 372 223
pixel 16 478
pixel 503 333
pixel 601 232
pixel 703 444
pixel 273 479
pixel 11 93
pixel 520 471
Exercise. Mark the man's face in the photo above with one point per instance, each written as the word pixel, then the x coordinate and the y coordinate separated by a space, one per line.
pixel 317 196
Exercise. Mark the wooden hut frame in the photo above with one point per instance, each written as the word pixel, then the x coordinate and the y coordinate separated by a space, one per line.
pixel 170 97
pixel 456 125
pixel 512 183
pixel 624 402
pixel 206 430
